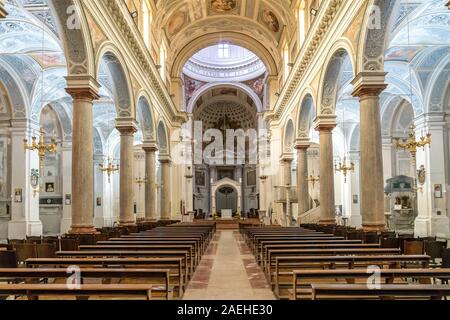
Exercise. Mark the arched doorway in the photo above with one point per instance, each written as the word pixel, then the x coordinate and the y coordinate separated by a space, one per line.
pixel 226 199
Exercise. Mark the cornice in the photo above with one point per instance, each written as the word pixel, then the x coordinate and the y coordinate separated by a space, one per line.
pixel 312 44
pixel 117 13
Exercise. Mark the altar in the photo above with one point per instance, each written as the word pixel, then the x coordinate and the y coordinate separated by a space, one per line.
pixel 227 214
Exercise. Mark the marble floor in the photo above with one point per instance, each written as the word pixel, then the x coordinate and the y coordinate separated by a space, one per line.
pixel 228 271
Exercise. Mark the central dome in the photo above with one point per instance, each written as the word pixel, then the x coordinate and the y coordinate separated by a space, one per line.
pixel 224 62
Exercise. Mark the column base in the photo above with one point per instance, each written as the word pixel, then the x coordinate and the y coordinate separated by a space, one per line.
pixel 440 226
pixel 21 229
pixel 65 225
pixel 374 227
pixel 422 227
pixel 83 230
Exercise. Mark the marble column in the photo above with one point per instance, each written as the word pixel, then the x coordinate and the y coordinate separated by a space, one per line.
pixel 302 176
pixel 25 211
pixel 448 4
pixel 165 187
pixel 368 86
pixel 3 12
pixel 127 129
pixel 286 163
pixel 84 90
pixel 150 149
pixel 325 126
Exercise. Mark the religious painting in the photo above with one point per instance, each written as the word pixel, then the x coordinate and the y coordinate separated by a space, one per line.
pixel 257 85
pixel 200 178
pixel 49 187
pixel 176 22
pixel 270 20
pixel 402 53
pixel 18 196
pixel 355 199
pixel 191 86
pixel 223 6
pixel 438 191
pixel 251 178
pixel 68 199
pixel 99 201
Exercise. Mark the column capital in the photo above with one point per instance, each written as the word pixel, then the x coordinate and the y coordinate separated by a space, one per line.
pixel 287 157
pixel 165 158
pixel 302 144
pixel 369 83
pixel 150 146
pixel 325 122
pixel 126 125
pixel 83 87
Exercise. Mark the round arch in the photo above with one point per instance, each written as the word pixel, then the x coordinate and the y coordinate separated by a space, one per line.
pixel 78 46
pixel 162 138
pixel 145 117
pixel 209 86
pixel 212 39
pixel 331 76
pixel 305 116
pixel 373 39
pixel 121 81
pixel 289 137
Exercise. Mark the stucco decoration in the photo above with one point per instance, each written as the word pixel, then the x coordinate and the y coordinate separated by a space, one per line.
pixel 69 18
pixel 145 119
pixel 119 84
pixel 306 116
pixel 333 80
pixel 163 142
pixel 375 41
pixel 15 93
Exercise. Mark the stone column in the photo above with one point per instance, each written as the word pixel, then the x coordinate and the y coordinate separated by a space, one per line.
pixel 150 149
pixel 286 163
pixel 3 12
pixel 165 187
pixel 127 129
pixel 84 90
pixel 325 126
pixel 302 176
pixel 25 211
pixel 368 86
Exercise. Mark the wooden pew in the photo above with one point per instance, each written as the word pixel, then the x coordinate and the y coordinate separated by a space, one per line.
pixel 135 254
pixel 389 291
pixel 175 265
pixel 278 247
pixel 303 279
pixel 154 275
pixel 254 244
pixel 282 274
pixel 189 248
pixel 264 243
pixel 273 254
pixel 182 240
pixel 34 291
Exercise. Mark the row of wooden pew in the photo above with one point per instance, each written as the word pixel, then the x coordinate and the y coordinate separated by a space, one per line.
pixel 306 264
pixel 154 264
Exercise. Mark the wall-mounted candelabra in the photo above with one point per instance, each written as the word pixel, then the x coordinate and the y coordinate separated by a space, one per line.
pixel 313 179
pixel 412 144
pixel 140 181
pixel 109 168
pixel 344 168
pixel 41 147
